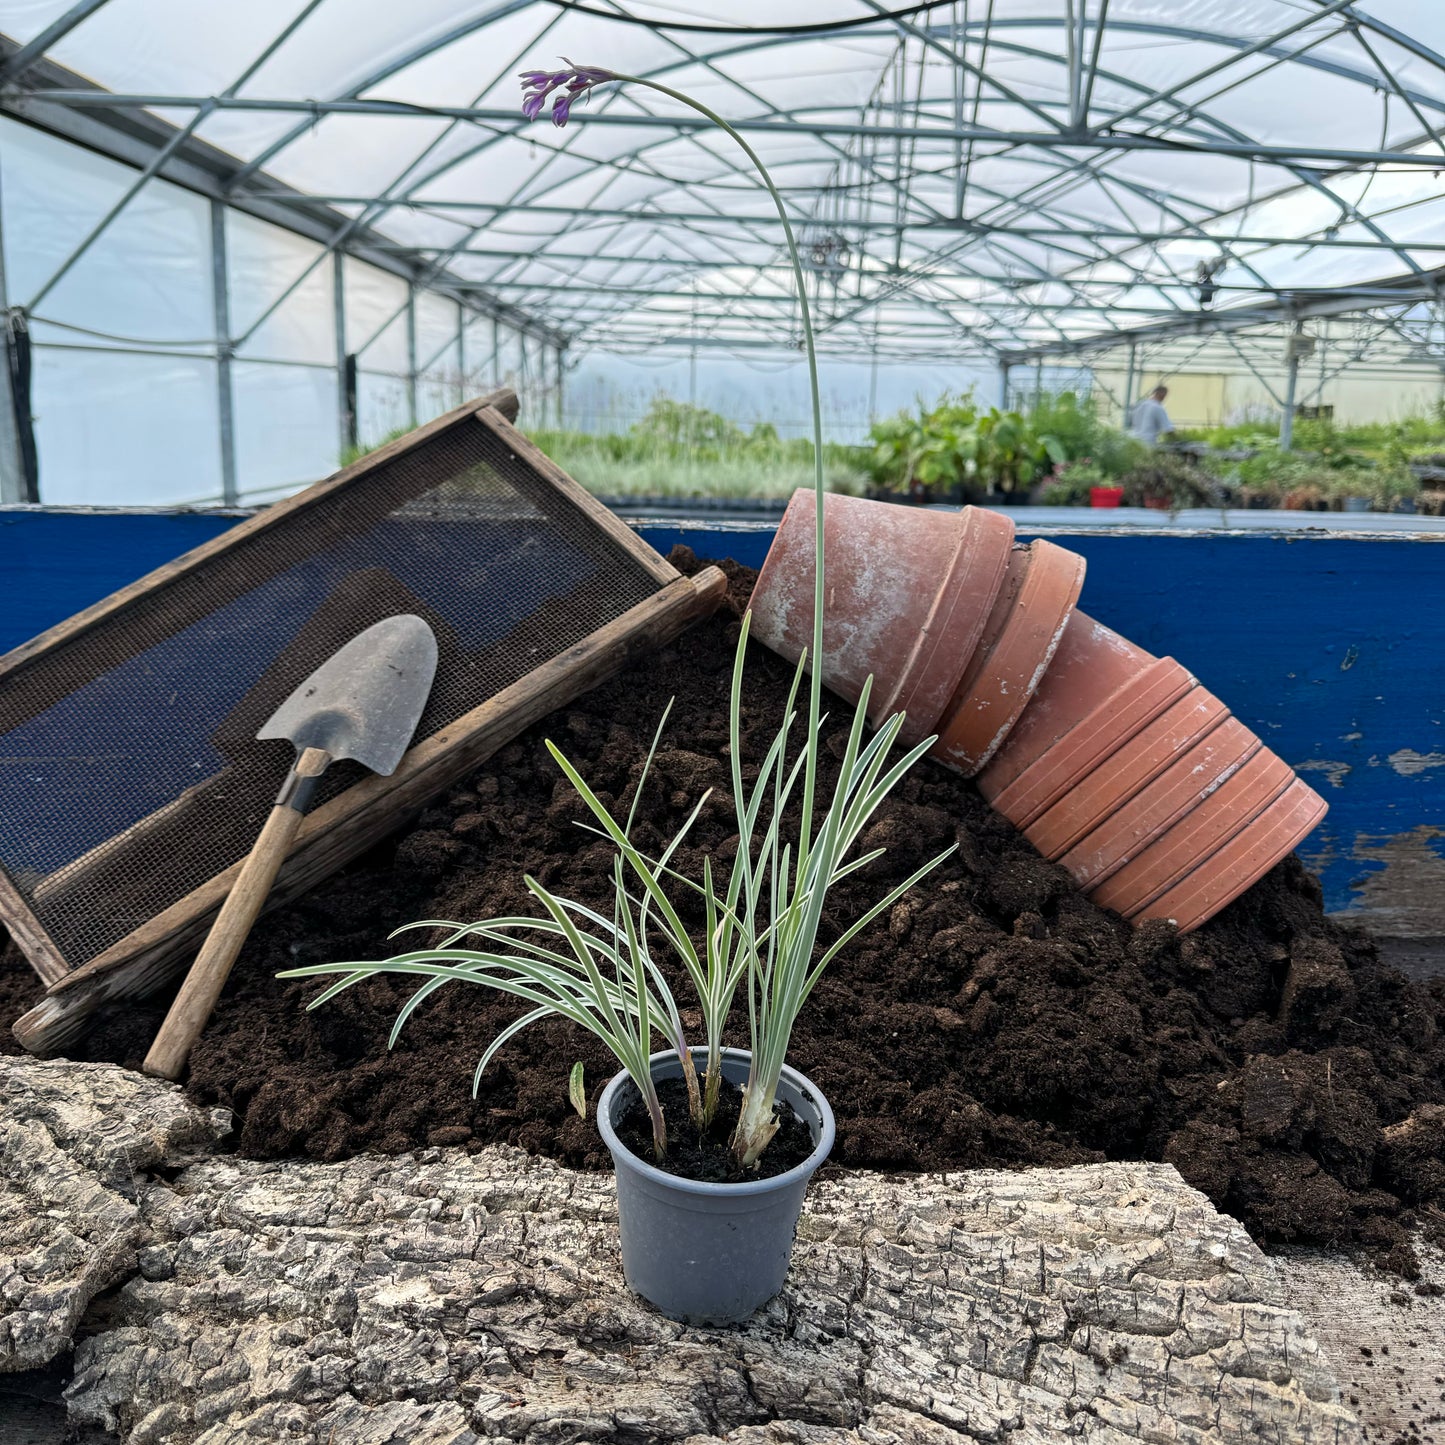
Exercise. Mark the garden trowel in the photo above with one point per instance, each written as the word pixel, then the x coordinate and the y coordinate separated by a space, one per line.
pixel 362 703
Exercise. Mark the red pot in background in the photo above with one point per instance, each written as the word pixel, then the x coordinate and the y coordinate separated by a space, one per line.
pixel 1106 496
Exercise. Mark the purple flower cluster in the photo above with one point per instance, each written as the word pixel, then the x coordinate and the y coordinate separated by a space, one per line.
pixel 572 83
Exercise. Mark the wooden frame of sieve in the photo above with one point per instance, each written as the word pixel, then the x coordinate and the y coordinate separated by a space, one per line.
pixel 346 825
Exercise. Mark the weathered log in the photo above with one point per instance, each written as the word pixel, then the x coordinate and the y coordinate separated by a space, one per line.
pixel 445 1297
pixel 77 1144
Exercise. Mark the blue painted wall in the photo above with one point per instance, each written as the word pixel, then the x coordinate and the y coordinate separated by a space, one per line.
pixel 1329 647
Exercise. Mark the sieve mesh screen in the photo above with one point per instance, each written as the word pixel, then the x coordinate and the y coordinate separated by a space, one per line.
pixel 146 721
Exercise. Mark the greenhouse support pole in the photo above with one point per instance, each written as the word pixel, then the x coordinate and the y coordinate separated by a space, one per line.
pixel 411 352
pixel 1039 381
pixel 1003 374
pixel 561 374
pixel 1291 385
pixel 19 473
pixel 18 479
pixel 345 363
pixel 1130 380
pixel 225 395
pixel 494 376
pixel 461 391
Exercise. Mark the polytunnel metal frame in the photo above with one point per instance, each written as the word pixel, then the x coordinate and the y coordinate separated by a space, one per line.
pixel 964 279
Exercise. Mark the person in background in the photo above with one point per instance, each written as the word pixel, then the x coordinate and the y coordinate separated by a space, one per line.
pixel 1149 421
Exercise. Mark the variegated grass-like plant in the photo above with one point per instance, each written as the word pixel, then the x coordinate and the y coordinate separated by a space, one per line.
pixel 601 973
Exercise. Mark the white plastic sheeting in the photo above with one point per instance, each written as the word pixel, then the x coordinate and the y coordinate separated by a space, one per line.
pixel 982 178
pixel 127 387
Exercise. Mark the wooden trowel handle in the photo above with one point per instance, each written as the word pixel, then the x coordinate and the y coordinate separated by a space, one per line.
pixel 203 985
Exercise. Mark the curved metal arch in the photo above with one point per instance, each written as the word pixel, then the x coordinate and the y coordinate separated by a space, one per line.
pixel 1065 168
pixel 1302 176
pixel 410 57
pixel 1071 166
pixel 1161 29
pixel 1167 30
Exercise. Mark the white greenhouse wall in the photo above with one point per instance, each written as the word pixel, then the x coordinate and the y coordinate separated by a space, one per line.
pixel 127 388
pixel 1199 398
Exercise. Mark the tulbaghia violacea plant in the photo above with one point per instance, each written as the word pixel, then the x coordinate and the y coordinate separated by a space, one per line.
pixel 607 979
pixel 572 962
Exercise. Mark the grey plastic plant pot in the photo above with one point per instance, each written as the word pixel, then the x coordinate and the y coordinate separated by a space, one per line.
pixel 710 1254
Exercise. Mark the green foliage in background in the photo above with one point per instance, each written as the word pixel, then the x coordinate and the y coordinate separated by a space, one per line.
pixel 1084 437
pixel 955 448
pixel 680 450
pixel 1166 479
pixel 956 445
pixel 1420 435
pixel 1327 465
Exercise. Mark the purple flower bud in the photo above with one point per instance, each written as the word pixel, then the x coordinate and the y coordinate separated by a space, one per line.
pixel 575 81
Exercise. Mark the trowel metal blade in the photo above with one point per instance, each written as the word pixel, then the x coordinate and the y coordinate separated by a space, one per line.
pixel 364 702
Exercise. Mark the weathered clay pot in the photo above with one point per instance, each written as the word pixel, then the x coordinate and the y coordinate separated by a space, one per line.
pixel 1233 806
pixel 1112 783
pixel 1243 860
pixel 1186 784
pixel 909 593
pixel 1099 690
pixel 1018 643
pixel 1111 761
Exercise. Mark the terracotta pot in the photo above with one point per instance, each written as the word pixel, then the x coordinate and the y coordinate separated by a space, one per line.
pixel 1236 803
pixel 1131 768
pixel 1099 690
pixel 1241 861
pixel 1018 643
pixel 1106 496
pixel 1181 788
pixel 1112 761
pixel 909 594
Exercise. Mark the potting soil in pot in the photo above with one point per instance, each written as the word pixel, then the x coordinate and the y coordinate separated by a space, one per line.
pixel 707 1154
pixel 995 1016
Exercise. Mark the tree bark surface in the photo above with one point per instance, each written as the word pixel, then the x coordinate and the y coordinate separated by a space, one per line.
pixel 440 1298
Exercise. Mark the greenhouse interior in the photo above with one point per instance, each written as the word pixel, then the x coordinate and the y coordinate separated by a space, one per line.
pixel 722 724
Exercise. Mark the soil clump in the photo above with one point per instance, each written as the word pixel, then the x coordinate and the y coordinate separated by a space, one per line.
pixel 995 1017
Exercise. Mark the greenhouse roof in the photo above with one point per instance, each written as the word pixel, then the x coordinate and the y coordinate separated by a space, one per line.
pixel 997 177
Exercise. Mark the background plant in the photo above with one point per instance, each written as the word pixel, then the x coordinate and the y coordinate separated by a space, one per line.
pixel 1077 427
pixel 1169 478
pixel 1011 455
pixel 1072 483
pixel 677 449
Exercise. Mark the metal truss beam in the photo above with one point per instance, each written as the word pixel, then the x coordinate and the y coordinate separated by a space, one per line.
pixel 945 226
pixel 944 134
pixel 1291 307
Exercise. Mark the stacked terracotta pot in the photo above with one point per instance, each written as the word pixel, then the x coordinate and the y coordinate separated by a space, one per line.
pixel 1115 763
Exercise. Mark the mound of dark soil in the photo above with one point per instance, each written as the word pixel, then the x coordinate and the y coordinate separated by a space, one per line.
pixel 995 1017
